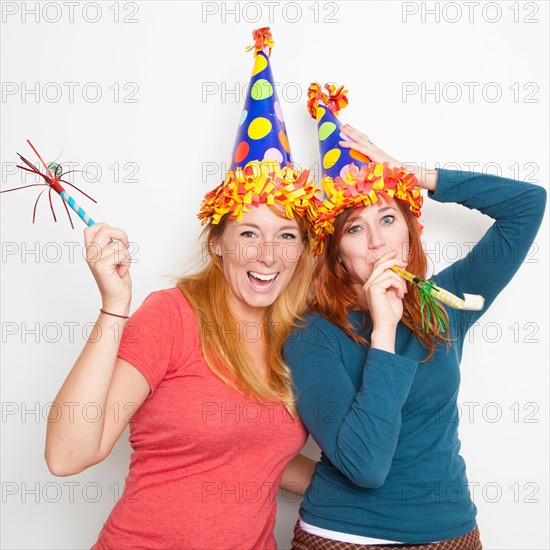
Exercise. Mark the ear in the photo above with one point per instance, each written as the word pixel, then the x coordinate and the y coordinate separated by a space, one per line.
pixel 215 249
pixel 341 263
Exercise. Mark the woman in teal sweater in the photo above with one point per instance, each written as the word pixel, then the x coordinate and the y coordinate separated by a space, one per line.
pixel 376 392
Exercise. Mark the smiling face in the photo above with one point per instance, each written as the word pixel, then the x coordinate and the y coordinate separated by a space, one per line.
pixel 259 255
pixel 369 233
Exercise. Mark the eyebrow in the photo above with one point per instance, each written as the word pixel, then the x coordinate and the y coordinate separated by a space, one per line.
pixel 284 228
pixel 380 210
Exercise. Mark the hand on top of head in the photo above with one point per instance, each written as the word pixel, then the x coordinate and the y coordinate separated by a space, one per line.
pixel 363 144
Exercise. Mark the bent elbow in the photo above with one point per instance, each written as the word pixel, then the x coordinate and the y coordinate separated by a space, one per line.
pixel 63 466
pixel 369 480
pixel 541 197
pixel 60 471
pixel 541 193
pixel 59 468
pixel 363 468
pixel 366 476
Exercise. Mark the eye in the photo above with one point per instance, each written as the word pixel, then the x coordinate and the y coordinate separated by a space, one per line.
pixel 248 234
pixel 354 229
pixel 389 219
pixel 289 236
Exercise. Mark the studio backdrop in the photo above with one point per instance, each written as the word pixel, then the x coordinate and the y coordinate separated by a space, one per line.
pixel 142 101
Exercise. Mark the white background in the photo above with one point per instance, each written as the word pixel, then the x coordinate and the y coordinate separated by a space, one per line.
pixel 178 67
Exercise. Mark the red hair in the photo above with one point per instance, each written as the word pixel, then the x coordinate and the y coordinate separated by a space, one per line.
pixel 333 295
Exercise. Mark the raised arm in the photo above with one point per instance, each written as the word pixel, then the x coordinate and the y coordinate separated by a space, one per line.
pixel 98 381
pixel 517 208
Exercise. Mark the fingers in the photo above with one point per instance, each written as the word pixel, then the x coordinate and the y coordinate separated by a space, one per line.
pixel 109 259
pixel 388 281
pixel 106 245
pixel 383 278
pixel 355 134
pixel 386 262
pixel 363 144
pixel 355 146
pixel 113 253
pixel 101 233
pixel 358 141
pixel 124 263
pixel 385 291
pixel 116 253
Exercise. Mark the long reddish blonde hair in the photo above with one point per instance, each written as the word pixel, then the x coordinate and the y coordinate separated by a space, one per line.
pixel 333 294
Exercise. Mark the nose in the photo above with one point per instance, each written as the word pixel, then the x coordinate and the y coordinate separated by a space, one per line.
pixel 375 238
pixel 268 252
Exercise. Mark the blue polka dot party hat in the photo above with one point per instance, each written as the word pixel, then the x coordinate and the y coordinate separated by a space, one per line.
pixel 324 107
pixel 350 178
pixel 261 169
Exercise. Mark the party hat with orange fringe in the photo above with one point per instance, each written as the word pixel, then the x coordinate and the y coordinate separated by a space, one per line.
pixel 350 179
pixel 261 168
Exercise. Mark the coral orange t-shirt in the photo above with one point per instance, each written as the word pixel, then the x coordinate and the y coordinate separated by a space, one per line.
pixel 206 460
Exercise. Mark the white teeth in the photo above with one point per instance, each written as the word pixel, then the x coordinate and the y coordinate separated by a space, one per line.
pixel 263 277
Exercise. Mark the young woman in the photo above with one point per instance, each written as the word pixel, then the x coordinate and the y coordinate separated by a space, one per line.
pixel 207 457
pixel 199 373
pixel 376 391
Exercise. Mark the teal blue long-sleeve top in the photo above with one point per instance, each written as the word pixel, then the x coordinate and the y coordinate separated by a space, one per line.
pixel 387 423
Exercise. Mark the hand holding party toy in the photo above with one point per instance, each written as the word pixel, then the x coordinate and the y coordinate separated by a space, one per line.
pixel 53 180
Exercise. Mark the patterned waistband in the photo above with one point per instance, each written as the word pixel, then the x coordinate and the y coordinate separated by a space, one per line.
pixel 306 541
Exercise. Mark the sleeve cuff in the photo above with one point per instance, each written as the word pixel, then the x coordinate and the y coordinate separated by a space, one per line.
pixel 141 366
pixel 392 360
pixel 447 182
pixel 387 378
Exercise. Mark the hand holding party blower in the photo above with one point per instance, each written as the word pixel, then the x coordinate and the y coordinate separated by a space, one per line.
pixel 53 180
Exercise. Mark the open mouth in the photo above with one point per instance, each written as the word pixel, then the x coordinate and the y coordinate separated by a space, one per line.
pixel 262 281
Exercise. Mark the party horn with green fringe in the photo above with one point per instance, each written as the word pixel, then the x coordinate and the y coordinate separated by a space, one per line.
pixel 429 293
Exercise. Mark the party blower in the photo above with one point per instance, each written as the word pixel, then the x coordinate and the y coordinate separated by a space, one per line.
pixel 53 180
pixel 428 291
